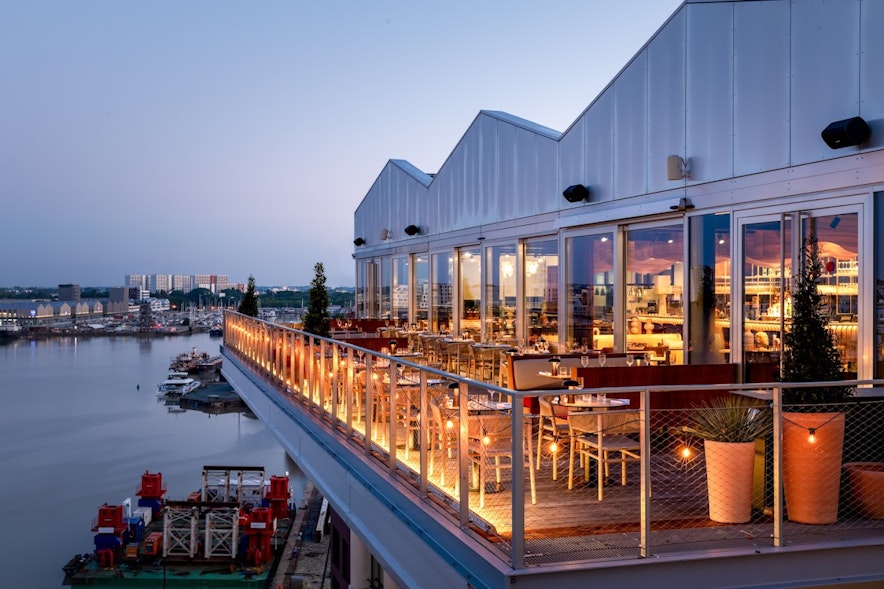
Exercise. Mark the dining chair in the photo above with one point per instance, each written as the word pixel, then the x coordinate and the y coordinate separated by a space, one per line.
pixel 483 363
pixel 606 437
pixel 553 432
pixel 490 447
pixel 459 357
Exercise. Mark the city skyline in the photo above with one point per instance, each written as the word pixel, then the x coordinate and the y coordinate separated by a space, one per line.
pixel 155 135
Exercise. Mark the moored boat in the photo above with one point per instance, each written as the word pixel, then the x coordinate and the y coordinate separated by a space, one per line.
pixel 177 384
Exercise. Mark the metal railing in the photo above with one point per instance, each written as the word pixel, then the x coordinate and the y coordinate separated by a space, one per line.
pixel 468 446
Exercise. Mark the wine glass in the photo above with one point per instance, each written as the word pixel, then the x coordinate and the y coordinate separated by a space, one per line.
pixel 361 353
pixel 647 359
pixel 630 359
pixel 584 361
pixel 602 359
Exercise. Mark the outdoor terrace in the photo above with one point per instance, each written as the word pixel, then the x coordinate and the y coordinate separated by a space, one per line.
pixel 530 516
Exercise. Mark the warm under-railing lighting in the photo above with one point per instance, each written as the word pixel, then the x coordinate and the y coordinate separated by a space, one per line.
pixel 811 436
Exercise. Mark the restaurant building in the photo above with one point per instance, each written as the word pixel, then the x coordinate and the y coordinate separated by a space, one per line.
pixel 670 213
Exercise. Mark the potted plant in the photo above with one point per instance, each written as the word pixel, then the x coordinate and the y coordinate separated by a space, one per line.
pixel 729 427
pixel 813 427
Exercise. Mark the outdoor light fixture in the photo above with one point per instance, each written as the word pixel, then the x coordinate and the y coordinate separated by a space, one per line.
pixel 684 204
pixel 576 193
pixel 412 230
pixel 358 241
pixel 677 168
pixel 385 234
pixel 846 133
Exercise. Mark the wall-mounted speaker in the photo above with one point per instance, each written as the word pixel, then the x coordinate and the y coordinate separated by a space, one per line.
pixel 676 168
pixel 846 133
pixel 412 230
pixel 358 241
pixel 576 193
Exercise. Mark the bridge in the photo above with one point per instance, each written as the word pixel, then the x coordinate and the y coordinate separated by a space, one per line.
pixel 424 490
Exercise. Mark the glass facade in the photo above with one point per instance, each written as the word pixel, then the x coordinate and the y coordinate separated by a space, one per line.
pixel 663 291
pixel 470 278
pixel 654 294
pixel 442 282
pixel 500 294
pixel 590 288
pixel 541 292
pixel 709 289
pixel 421 289
pixel 400 292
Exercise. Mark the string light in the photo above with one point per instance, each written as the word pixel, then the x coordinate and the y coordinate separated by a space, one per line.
pixel 554 446
pixel 486 440
pixel 811 438
pixel 449 424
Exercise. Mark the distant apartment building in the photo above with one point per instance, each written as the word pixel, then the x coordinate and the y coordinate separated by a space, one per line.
pixel 141 281
pixel 161 282
pixel 213 282
pixel 182 282
pixel 69 292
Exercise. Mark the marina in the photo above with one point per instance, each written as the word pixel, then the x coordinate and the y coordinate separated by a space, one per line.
pixel 98 435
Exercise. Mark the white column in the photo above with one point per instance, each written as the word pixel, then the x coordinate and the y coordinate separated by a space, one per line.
pixel 360 563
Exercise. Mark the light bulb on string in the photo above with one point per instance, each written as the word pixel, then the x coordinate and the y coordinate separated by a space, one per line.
pixel 811 437
pixel 554 446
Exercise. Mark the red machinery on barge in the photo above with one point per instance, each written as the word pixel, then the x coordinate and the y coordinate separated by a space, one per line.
pixel 238 520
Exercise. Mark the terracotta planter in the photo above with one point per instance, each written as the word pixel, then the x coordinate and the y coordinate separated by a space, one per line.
pixel 729 468
pixel 866 482
pixel 812 469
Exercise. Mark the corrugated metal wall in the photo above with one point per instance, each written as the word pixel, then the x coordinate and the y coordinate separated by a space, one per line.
pixel 736 88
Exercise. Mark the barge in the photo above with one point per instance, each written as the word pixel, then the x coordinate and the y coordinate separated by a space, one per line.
pixel 229 533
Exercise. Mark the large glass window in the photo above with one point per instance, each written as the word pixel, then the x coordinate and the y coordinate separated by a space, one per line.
pixel 442 285
pixel 421 289
pixel 400 290
pixel 837 238
pixel 470 289
pixel 386 289
pixel 589 288
pixel 361 289
pixel 709 289
pixel 655 292
pixel 500 293
pixel 541 279
pixel 767 275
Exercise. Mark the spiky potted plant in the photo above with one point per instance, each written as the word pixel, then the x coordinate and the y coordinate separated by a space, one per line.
pixel 729 427
pixel 813 425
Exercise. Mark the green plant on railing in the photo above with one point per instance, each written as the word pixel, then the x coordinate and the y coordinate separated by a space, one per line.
pixel 810 353
pixel 730 419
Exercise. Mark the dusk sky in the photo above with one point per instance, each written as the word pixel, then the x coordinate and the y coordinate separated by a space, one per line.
pixel 238 138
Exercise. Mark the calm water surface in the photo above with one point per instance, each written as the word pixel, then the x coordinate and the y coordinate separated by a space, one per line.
pixel 79 424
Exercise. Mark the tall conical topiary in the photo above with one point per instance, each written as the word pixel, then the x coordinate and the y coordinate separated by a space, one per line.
pixel 249 304
pixel 317 320
pixel 810 353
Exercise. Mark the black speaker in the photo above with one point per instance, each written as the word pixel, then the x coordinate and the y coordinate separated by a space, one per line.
pixel 576 193
pixel 358 241
pixel 412 230
pixel 846 133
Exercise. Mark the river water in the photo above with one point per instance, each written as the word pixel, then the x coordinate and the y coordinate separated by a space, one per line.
pixel 79 424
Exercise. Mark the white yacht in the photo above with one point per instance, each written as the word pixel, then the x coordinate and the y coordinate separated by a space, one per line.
pixel 177 384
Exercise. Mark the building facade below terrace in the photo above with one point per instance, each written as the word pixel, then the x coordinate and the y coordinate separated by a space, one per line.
pixel 672 213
